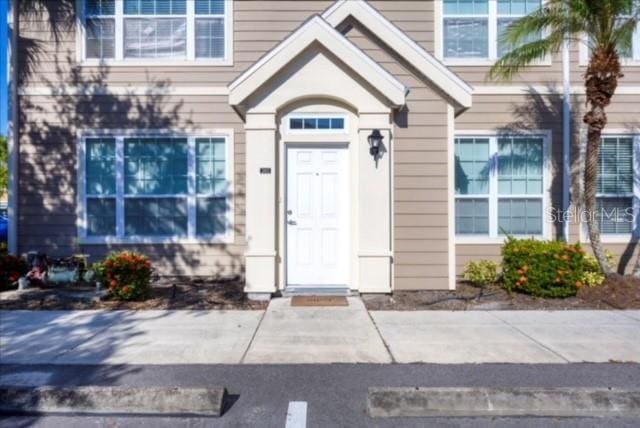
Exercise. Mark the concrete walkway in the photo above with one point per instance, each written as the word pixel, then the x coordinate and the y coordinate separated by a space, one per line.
pixel 317 335
pixel 285 334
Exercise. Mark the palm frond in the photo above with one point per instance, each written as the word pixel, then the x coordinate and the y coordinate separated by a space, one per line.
pixel 522 56
pixel 623 36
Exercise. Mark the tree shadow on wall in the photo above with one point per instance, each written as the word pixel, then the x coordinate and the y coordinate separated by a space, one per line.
pixel 544 111
pixel 50 127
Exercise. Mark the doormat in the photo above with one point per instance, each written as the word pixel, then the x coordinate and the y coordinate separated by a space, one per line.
pixel 319 301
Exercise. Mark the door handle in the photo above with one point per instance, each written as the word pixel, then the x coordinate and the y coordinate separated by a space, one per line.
pixel 292 222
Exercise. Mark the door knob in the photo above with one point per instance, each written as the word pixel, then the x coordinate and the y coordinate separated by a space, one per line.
pixel 289 212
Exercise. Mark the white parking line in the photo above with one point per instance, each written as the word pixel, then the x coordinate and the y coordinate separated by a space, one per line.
pixel 297 414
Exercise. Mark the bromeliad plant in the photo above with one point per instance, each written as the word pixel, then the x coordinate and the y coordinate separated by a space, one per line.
pixel 127 274
pixel 607 26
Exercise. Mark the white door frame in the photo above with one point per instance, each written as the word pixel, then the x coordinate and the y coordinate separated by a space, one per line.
pixel 284 218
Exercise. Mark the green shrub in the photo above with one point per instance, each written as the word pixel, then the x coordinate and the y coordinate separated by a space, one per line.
pixel 543 268
pixel 11 269
pixel 481 272
pixel 127 274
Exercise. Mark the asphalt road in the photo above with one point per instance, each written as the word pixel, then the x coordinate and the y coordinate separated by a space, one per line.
pixel 335 394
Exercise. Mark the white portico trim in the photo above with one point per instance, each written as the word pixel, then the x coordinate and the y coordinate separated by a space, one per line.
pixel 317 71
pixel 455 88
pixel 317 30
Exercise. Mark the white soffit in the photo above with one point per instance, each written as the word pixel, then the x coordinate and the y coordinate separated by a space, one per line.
pixel 317 30
pixel 432 69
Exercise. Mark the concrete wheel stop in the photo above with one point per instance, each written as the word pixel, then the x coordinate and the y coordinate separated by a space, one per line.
pixel 203 402
pixel 386 402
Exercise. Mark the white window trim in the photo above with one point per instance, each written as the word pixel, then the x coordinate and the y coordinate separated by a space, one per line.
pixel 288 117
pixel 119 59
pixel 493 237
pixel 621 238
pixel 493 39
pixel 191 238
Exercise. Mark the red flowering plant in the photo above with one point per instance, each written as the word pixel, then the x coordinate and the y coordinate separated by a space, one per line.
pixel 543 268
pixel 11 269
pixel 127 275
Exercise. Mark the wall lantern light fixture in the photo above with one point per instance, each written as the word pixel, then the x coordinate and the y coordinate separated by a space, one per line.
pixel 375 141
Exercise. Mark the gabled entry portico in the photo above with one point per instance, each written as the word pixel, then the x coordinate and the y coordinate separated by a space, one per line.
pixel 317 73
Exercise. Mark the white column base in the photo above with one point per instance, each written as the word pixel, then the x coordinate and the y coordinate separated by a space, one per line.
pixel 375 274
pixel 260 273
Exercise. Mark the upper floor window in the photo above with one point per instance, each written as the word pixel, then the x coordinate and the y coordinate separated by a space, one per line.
pixel 157 30
pixel 472 29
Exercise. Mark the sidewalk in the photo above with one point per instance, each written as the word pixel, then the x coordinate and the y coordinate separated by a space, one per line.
pixel 285 334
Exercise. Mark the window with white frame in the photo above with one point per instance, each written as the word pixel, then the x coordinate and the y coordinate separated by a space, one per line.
pixel 156 29
pixel 500 185
pixel 616 194
pixel 156 187
pixel 473 29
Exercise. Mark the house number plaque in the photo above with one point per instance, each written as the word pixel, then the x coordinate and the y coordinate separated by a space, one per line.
pixel 265 170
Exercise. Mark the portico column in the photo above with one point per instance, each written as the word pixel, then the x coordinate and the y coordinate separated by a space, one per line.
pixel 374 210
pixel 260 257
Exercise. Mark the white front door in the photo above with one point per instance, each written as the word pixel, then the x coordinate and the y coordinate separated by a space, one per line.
pixel 317 216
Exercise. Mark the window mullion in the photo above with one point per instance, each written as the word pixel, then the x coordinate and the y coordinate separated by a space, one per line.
pixel 493 29
pixel 120 187
pixel 119 36
pixel 493 187
pixel 191 31
pixel 191 188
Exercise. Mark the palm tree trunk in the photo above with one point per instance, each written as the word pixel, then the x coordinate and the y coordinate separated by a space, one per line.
pixel 601 81
pixel 590 189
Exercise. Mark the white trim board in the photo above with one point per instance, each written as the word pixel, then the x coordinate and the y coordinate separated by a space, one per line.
pixel 544 90
pixel 123 90
pixel 316 30
pixel 430 67
pixel 223 90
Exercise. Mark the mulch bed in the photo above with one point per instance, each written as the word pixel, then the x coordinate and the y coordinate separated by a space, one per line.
pixel 166 293
pixel 618 292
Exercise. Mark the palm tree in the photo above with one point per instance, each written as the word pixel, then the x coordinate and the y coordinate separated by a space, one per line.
pixel 607 26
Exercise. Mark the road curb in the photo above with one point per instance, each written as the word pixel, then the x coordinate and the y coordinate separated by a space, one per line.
pixel 118 400
pixel 383 402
